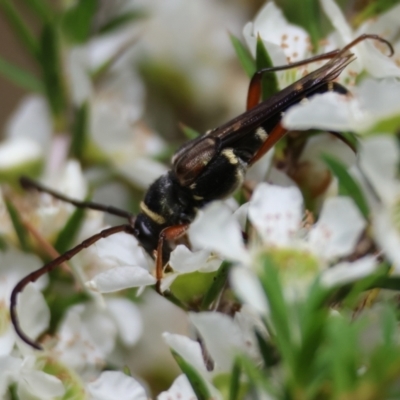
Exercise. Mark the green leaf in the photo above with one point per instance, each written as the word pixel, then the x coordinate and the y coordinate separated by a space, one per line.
pixel 267 350
pixel 347 185
pixel 279 312
pixel 343 354
pixel 390 125
pixel 313 314
pixel 245 58
pixel 235 381
pixel 52 74
pixel 189 132
pixel 269 79
pixel 80 131
pixel 20 77
pixel 77 20
pixel 18 225
pixel 41 8
pixel 66 236
pixel 121 20
pixel 196 381
pixel 3 244
pixel 20 28
pixel 217 286
pixel 374 8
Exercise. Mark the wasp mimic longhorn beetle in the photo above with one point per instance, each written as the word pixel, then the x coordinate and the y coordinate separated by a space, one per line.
pixel 204 169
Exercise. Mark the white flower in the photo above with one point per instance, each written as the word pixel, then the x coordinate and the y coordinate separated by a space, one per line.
pixel 283 41
pixel 225 337
pixel 379 158
pixel 120 263
pixel 191 352
pixel 372 102
pixel 300 252
pixel 30 380
pixel 180 390
pixel 115 385
pixel 33 313
pixel 89 333
pixel 369 57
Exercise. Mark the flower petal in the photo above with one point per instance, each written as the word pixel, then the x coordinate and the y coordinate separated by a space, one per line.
pixel 348 272
pixel 119 278
pixel 338 229
pixel 221 336
pixel 188 349
pixel 378 159
pixel 248 288
pixel 115 385
pixel 276 213
pixel 41 385
pixel 216 229
pixel 180 390
pixel 127 318
pixel 184 261
pixel 33 312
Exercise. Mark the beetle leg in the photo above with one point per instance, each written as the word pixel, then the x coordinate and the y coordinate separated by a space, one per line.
pixel 168 233
pixel 254 92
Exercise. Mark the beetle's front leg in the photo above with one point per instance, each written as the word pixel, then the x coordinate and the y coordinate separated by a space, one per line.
pixel 169 233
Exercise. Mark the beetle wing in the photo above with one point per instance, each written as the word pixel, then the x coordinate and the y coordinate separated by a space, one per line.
pixel 191 159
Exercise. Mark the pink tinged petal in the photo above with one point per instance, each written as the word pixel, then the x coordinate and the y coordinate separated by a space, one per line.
pixel 335 15
pixel 115 385
pixel 119 278
pixel 188 349
pixel 378 159
pixel 276 213
pixel 248 288
pixel 180 390
pixel 127 318
pixel 216 229
pixel 41 385
pixel 338 229
pixel 347 272
pixel 33 312
pixel 222 338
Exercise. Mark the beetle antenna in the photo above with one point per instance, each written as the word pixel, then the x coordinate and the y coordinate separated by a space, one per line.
pixel 29 184
pixel 35 275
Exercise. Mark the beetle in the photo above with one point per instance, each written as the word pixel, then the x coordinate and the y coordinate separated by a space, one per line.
pixel 207 168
